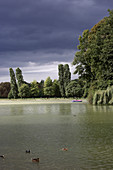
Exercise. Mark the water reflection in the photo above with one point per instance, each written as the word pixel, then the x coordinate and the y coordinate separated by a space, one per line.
pixel 62 109
pixel 78 109
pixel 102 108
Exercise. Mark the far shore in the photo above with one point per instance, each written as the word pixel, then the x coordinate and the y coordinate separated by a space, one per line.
pixel 38 101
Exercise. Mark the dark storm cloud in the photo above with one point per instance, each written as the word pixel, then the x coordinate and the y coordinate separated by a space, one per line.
pixel 33 25
pixel 44 31
pixel 30 25
pixel 105 3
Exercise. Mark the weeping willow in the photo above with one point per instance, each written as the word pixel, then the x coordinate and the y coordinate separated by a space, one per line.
pixel 103 97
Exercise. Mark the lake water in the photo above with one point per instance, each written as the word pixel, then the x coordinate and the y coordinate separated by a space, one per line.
pixel 87 132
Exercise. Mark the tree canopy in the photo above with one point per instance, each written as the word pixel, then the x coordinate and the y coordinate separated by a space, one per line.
pixel 19 77
pixel 24 91
pixel 94 60
pixel 14 88
pixel 74 89
pixel 34 89
pixel 4 89
pixel 48 88
pixel 64 78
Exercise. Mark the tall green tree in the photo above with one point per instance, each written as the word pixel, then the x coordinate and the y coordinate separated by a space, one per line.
pixel 41 88
pixel 19 77
pixel 94 60
pixel 48 88
pixel 64 77
pixel 14 88
pixel 24 91
pixel 61 79
pixel 34 89
pixel 82 60
pixel 74 89
pixel 67 75
pixel 56 89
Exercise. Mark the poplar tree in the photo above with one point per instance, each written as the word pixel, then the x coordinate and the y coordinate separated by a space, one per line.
pixel 61 79
pixel 19 77
pixel 67 75
pixel 64 78
pixel 14 88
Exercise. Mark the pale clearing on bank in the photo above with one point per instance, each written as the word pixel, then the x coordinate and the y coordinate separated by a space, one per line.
pixel 37 101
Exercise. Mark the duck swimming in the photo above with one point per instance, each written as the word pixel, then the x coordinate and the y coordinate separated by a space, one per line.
pixel 64 149
pixel 28 151
pixel 35 160
pixel 2 156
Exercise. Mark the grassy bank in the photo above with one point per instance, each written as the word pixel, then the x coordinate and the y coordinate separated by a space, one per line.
pixel 37 101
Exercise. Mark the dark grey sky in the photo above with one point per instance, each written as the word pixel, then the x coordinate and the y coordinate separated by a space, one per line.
pixel 37 35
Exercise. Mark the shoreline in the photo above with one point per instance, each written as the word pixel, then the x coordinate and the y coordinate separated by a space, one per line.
pixel 38 101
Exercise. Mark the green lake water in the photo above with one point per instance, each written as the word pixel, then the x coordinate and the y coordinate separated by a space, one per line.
pixel 87 132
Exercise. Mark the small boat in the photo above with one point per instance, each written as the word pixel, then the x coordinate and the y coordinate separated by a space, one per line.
pixel 76 100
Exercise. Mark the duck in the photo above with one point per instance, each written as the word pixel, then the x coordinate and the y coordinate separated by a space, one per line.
pixel 2 156
pixel 35 160
pixel 28 151
pixel 64 149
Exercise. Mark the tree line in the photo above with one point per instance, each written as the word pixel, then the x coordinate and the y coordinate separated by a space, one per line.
pixel 63 87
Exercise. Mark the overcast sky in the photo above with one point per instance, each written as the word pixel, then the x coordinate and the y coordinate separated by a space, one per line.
pixel 37 35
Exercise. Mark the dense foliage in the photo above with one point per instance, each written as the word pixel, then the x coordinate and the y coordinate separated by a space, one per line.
pixel 51 89
pixel 67 76
pixel 19 77
pixel 48 89
pixel 103 96
pixel 63 87
pixel 61 79
pixel 24 91
pixel 34 89
pixel 14 88
pixel 4 89
pixel 41 88
pixel 56 88
pixel 74 89
pixel 64 78
pixel 94 60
